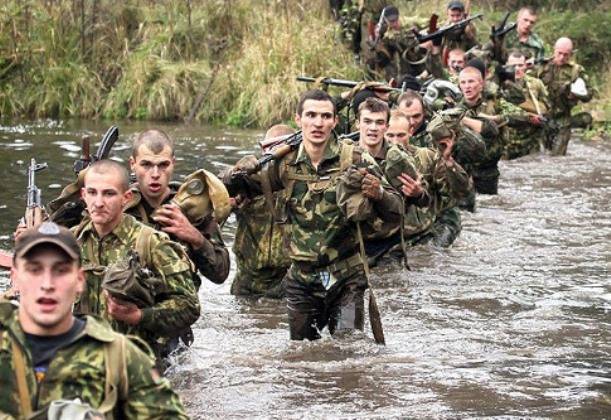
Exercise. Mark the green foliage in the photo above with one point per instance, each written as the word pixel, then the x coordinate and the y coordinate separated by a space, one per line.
pixel 147 59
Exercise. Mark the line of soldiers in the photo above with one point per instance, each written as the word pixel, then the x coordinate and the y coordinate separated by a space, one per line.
pixel 546 89
pixel 310 223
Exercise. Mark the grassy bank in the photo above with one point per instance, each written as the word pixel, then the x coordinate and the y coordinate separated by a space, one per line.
pixel 146 59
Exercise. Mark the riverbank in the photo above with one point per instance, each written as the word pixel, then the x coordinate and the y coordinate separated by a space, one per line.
pixel 225 62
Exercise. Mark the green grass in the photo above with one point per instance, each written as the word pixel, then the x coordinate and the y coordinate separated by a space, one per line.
pixel 146 59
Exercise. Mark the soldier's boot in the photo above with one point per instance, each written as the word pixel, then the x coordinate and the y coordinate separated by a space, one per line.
pixel 349 314
pixel 561 142
pixel 581 120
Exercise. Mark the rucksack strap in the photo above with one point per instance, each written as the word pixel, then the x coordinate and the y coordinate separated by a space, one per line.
pixel 117 382
pixel 143 245
pixel 25 400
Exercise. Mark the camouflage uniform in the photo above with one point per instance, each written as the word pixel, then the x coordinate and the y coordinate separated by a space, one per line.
pixel 326 281
pixel 78 370
pixel 465 39
pixel 260 249
pixel 523 137
pixel 485 172
pixel 211 260
pixel 558 81
pixel 176 304
pixel 533 46
pixel 398 53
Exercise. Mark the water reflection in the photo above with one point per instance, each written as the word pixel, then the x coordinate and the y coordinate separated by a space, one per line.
pixel 511 321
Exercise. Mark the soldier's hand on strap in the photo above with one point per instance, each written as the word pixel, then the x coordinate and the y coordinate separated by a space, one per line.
pixel 123 311
pixel 411 187
pixel 371 187
pixel 446 146
pixel 176 223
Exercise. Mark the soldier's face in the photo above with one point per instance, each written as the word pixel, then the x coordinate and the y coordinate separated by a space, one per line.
pixel 398 131
pixel 415 114
pixel 105 199
pixel 372 126
pixel 316 121
pixel 471 85
pixel 526 22
pixel 48 281
pixel 562 54
pixel 519 64
pixel 456 62
pixel 455 15
pixel 153 171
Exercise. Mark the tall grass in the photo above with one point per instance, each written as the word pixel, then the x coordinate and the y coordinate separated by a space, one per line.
pixel 151 59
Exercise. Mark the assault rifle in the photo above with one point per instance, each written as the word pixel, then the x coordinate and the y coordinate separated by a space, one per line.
pixel 380 29
pixel 275 148
pixel 354 136
pixel 422 38
pixel 345 83
pixel 33 210
pixel 108 141
pixel 503 29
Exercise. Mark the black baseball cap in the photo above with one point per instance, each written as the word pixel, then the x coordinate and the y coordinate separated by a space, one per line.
pixel 456 4
pixel 48 233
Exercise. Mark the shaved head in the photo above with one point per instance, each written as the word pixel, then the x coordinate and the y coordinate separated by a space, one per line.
pixel 563 50
pixel 154 140
pixel 107 166
pixel 278 130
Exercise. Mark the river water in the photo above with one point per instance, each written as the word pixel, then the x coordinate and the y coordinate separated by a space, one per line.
pixel 513 321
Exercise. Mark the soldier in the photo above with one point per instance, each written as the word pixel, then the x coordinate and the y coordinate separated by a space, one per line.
pixel 466 38
pixel 411 105
pixel 167 302
pixel 567 85
pixel 153 162
pixel 446 182
pixel 327 196
pixel 528 129
pixel 52 360
pixel 524 38
pixel 260 242
pixel 399 53
pixel 485 172
pixel 456 62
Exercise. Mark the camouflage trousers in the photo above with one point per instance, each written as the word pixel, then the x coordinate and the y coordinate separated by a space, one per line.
pixel 560 142
pixel 446 228
pixel 265 282
pixel 522 144
pixel 324 300
pixel 486 178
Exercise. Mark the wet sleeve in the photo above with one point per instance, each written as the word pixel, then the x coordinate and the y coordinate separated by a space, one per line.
pixel 212 259
pixel 452 179
pixel 390 207
pixel 176 303
pixel 150 396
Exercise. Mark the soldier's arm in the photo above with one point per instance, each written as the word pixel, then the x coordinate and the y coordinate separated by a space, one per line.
pixel 176 303
pixel 149 395
pixel 388 207
pixel 212 258
pixel 452 178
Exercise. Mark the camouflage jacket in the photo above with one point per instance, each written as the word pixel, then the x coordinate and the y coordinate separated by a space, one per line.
pixel 533 46
pixel 176 303
pixel 323 231
pixel 260 243
pixel 558 81
pixel 491 134
pixel 78 371
pixel 211 260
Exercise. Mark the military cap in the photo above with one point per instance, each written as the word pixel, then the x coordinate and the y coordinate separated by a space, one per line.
pixel 479 64
pixel 48 233
pixel 456 4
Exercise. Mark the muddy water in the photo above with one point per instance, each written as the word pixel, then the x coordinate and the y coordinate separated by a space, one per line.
pixel 512 321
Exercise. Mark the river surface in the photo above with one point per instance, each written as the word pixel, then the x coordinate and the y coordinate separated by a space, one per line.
pixel 513 321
